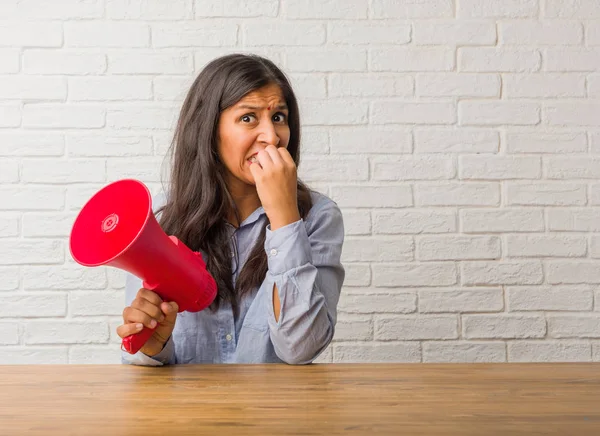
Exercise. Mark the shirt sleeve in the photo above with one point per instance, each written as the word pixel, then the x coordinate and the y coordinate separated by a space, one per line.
pixel 304 261
pixel 167 354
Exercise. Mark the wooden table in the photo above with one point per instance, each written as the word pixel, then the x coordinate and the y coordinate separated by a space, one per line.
pixel 329 399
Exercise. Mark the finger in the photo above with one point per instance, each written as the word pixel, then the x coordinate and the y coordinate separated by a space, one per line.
pixel 152 297
pixel 148 308
pixel 165 328
pixel 129 329
pixel 264 159
pixel 286 156
pixel 131 314
pixel 275 156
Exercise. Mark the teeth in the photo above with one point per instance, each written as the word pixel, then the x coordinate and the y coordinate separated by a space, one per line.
pixel 253 159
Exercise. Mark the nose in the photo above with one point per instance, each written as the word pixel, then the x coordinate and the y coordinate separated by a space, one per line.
pixel 267 134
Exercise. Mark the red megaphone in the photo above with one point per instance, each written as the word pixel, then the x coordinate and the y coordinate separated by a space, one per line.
pixel 117 227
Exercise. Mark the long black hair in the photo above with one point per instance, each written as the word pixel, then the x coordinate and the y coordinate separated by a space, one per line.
pixel 198 200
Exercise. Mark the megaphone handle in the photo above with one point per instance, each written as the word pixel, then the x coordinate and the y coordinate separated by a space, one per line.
pixel 133 343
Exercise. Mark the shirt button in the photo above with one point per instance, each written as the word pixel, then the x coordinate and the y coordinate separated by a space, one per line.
pixel 232 254
pixel 228 337
pixel 273 252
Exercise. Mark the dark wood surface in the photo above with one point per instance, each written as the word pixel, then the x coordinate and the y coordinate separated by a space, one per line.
pixel 328 399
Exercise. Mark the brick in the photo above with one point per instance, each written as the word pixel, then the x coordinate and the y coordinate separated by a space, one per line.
pixel 96 303
pixel 491 113
pixel 501 273
pixel 549 351
pixel 357 222
pixel 9 278
pixel 63 10
pixel 327 60
pixel 30 252
pixel 412 168
pixel 86 145
pixel 34 356
pixel 372 196
pixel 351 301
pixel 21 198
pixel 62 278
pixel 204 55
pixel 54 171
pixel 458 85
pixel 142 116
pixel 433 140
pixel 410 327
pixel 458 247
pixel 9 226
pixel 147 170
pixel 593 86
pixel 559 298
pixel 369 85
pixel 315 140
pixel 493 60
pixel 369 33
pixel 78 195
pixel 151 62
pixel 116 279
pixel 574 326
pixel 150 10
pixel 10 115
pixel 355 139
pixel 325 169
pixel 70 62
pixel 499 167
pixel 543 85
pixel 414 221
pixel 90 34
pixel 571 272
pixel 33 88
pixel 535 33
pixel 572 114
pixel 370 249
pixel 412 59
pixel 33 305
pixel 353 328
pixel 503 326
pixel 31 34
pixel 334 112
pixel 595 246
pixel 572 168
pixel 414 274
pixel 461 300
pixel 574 220
pixel 545 194
pixel 546 142
pixel 9 171
pixel 455 194
pixel 386 9
pixel 495 9
pixel 328 9
pixel 571 59
pixel 236 8
pixel 372 352
pixel 592 33
pixel 109 88
pixel 384 112
pixel 9 333
pixel 47 115
pixel 94 355
pixel 463 352
pixel 586 9
pixel 357 274
pixel 66 332
pixel 455 33
pixel 194 34
pixel 10 60
pixel 171 88
pixel 53 225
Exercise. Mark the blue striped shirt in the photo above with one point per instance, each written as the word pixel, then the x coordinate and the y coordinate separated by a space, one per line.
pixel 303 261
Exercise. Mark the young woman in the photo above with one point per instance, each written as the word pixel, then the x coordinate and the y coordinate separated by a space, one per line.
pixel 272 245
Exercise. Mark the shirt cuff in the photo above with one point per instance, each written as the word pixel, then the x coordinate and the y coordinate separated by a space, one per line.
pixel 287 247
pixel 160 359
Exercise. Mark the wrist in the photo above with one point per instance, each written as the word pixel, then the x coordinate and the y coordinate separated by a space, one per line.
pixel 281 220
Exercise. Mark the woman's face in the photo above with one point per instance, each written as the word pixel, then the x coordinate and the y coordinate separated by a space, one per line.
pixel 259 119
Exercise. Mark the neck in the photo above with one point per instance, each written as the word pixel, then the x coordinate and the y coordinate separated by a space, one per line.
pixel 246 201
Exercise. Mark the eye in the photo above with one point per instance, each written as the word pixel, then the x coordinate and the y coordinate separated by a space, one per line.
pixel 248 118
pixel 280 117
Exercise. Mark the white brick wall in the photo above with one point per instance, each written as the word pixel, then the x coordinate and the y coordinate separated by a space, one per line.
pixel 461 138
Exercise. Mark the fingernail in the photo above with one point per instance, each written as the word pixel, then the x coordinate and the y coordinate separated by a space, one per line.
pixel 152 323
pixel 162 318
pixel 139 326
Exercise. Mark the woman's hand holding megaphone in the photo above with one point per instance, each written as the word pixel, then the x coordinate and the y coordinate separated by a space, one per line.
pixel 149 310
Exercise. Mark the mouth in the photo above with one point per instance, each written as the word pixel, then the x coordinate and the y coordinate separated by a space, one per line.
pixel 253 159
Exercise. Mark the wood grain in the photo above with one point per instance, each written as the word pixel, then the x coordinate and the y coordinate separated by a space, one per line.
pixel 428 399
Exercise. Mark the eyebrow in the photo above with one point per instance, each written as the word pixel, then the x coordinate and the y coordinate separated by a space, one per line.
pixel 254 108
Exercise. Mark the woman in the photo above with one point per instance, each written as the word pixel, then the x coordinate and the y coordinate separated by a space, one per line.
pixel 272 245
